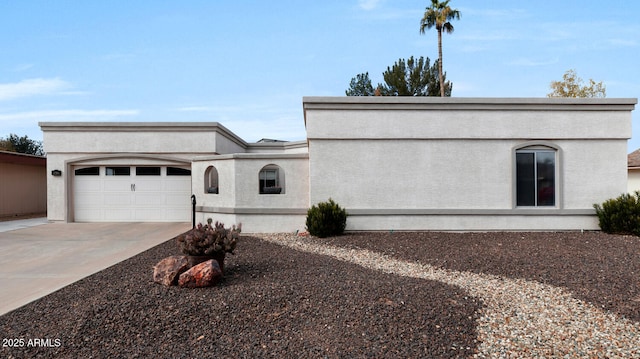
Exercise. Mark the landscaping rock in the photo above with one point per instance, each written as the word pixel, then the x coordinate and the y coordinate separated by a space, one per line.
pixel 168 270
pixel 195 260
pixel 205 274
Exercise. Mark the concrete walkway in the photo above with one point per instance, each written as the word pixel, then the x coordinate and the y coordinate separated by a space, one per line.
pixel 38 258
pixel 6 226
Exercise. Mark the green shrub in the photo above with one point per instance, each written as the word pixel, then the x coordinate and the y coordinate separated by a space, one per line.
pixel 620 215
pixel 326 219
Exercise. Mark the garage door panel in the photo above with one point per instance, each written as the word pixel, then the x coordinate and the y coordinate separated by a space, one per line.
pixel 124 198
pixel 147 185
pixel 117 199
pixel 181 184
pixel 177 200
pixel 117 215
pixel 116 185
pixel 148 199
pixel 87 185
pixel 88 214
pixel 148 215
pixel 88 199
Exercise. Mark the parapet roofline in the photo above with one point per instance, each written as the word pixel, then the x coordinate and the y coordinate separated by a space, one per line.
pixel 467 103
pixel 143 126
pixel 432 103
pixel 462 101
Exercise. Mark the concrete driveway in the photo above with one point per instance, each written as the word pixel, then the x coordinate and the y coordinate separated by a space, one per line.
pixel 37 259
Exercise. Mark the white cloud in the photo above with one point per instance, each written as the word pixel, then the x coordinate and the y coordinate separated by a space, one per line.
pixel 32 87
pixel 67 115
pixel 368 5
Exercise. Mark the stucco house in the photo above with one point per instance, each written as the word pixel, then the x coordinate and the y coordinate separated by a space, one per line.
pixel 395 163
pixel 23 185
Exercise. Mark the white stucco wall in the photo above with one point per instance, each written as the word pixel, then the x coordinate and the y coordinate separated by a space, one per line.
pixel 460 122
pixel 448 164
pixel 239 199
pixel 123 143
pixel 393 163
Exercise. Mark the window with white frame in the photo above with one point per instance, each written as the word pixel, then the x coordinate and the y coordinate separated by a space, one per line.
pixel 536 177
pixel 271 180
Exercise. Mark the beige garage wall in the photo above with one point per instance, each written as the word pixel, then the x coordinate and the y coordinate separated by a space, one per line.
pixel 23 190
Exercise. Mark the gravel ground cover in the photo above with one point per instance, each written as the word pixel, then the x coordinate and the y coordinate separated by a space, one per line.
pixel 452 295
pixel 274 302
pixel 598 268
pixel 519 318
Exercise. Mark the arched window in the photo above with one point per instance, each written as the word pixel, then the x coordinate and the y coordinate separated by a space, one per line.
pixel 211 180
pixel 271 180
pixel 536 176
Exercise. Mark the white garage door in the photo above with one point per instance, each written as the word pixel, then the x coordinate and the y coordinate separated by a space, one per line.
pixel 132 194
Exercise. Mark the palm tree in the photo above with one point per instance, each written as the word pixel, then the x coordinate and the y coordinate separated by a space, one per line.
pixel 439 14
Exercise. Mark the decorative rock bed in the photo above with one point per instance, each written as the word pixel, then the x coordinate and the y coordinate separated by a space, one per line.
pixel 275 301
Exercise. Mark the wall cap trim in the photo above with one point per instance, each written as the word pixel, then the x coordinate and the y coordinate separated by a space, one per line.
pixel 248 210
pixel 470 212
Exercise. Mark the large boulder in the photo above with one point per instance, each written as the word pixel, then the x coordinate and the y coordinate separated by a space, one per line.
pixel 168 270
pixel 205 274
pixel 195 260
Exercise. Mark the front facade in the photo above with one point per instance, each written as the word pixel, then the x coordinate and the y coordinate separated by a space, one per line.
pixel 468 163
pixel 115 172
pixel 148 172
pixel 395 163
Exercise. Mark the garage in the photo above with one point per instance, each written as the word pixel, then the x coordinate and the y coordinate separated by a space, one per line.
pixel 116 193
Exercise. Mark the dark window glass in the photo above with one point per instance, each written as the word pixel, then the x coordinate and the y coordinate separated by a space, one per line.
pixel 89 171
pixel 546 178
pixel 268 181
pixel 175 171
pixel 525 174
pixel 535 178
pixel 118 171
pixel 147 171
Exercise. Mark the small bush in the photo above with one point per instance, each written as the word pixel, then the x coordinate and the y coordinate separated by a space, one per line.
pixel 209 239
pixel 326 219
pixel 620 215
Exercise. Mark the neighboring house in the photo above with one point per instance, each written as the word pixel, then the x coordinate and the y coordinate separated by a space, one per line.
pixel 633 171
pixel 395 163
pixel 23 185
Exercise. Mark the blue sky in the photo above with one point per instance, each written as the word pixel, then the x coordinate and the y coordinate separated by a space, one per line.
pixel 247 64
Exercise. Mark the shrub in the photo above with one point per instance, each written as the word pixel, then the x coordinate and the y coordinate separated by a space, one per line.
pixel 209 240
pixel 620 215
pixel 326 219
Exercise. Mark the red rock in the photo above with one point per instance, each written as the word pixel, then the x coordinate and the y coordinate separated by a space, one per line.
pixel 195 260
pixel 167 271
pixel 205 274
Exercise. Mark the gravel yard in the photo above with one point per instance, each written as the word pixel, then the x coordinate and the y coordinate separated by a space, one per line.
pixel 369 295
